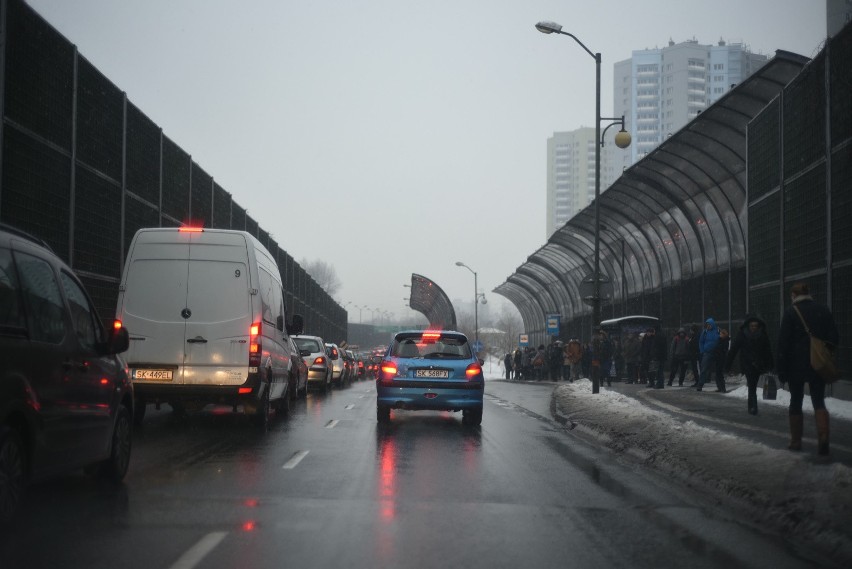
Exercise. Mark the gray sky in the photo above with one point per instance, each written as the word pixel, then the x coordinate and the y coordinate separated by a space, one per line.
pixel 390 136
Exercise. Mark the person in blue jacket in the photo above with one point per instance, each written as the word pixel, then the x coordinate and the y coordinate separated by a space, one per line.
pixel 707 348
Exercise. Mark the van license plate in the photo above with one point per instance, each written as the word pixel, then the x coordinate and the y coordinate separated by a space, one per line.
pixel 153 374
pixel 439 373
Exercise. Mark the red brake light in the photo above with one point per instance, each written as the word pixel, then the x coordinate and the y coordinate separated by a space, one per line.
pixel 187 229
pixel 319 361
pixel 116 324
pixel 473 370
pixel 254 345
pixel 389 368
pixel 431 336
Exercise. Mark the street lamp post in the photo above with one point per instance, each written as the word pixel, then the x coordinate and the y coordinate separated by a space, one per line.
pixel 475 302
pixel 622 140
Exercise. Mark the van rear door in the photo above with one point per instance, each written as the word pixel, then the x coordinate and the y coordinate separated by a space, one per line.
pixel 219 308
pixel 151 305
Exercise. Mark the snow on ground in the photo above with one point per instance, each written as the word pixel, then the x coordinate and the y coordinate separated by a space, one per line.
pixel 770 486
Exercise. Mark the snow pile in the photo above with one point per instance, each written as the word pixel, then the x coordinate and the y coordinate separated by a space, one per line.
pixel 788 491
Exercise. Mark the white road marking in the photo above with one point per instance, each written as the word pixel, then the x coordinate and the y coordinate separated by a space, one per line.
pixel 350 406
pixel 295 459
pixel 197 552
pixel 331 424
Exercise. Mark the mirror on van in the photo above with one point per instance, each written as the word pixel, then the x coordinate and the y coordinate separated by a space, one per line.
pixel 279 322
pixel 297 325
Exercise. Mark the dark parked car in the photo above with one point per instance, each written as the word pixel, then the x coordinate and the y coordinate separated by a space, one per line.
pixel 66 401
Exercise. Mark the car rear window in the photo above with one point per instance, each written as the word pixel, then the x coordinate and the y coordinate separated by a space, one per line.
pixel 431 345
pixel 308 344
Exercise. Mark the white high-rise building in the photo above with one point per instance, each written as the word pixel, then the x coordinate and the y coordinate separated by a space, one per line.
pixel 661 90
pixel 571 173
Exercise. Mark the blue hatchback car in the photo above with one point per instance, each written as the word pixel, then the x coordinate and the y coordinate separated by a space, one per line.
pixel 430 370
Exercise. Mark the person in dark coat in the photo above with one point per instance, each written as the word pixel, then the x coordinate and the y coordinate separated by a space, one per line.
pixel 632 356
pixel 719 357
pixel 693 354
pixel 507 363
pixel 680 357
pixel 659 350
pixel 752 345
pixel 794 361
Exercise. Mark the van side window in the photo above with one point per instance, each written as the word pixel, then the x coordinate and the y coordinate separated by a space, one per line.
pixel 267 296
pixel 11 315
pixel 86 324
pixel 45 312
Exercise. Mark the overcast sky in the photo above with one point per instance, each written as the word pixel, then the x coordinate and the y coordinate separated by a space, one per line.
pixel 390 137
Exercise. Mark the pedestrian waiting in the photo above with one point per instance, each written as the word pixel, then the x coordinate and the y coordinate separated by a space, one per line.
pixel 755 353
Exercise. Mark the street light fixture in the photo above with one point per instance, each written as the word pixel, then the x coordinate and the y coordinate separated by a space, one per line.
pixel 622 140
pixel 476 297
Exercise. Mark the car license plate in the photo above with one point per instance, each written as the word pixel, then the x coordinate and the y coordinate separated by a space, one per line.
pixel 153 374
pixel 438 373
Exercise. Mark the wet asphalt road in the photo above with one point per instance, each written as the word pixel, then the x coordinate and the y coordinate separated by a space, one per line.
pixel 328 487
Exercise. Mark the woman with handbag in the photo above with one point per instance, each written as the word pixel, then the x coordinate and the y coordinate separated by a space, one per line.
pixel 801 320
pixel 752 345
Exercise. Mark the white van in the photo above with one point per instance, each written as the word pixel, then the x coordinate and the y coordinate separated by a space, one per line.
pixel 205 312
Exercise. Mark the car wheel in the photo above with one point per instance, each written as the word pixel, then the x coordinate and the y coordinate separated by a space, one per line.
pixel 139 408
pixel 326 385
pixel 293 389
pixel 261 416
pixel 13 474
pixel 383 414
pixel 472 417
pixel 115 467
pixel 283 406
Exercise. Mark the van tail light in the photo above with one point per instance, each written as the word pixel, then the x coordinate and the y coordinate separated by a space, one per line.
pixel 116 324
pixel 189 229
pixel 254 345
pixel 472 371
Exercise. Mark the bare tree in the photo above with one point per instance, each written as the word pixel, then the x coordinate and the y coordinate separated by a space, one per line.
pixel 324 274
pixel 510 323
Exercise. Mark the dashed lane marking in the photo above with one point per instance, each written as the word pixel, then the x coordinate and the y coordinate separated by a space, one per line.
pixel 331 424
pixel 295 459
pixel 350 406
pixel 197 552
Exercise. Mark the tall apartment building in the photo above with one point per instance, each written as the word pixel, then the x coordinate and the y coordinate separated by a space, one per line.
pixel 661 90
pixel 571 173
pixel 838 13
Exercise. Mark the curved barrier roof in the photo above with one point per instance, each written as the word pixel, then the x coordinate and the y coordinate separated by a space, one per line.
pixel 428 298
pixel 676 214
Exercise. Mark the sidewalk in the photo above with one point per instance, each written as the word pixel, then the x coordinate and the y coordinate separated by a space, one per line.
pixel 709 441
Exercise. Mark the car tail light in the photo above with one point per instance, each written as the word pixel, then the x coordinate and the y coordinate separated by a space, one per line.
pixel 319 361
pixel 388 370
pixel 244 390
pixel 187 229
pixel 254 345
pixel 473 370
pixel 117 324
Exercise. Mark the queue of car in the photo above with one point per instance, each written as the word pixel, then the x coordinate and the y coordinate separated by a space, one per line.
pixel 199 320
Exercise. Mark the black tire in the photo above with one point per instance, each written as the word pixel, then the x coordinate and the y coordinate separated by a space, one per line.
pixel 326 385
pixel 13 474
pixel 139 408
pixel 115 467
pixel 472 417
pixel 293 389
pixel 261 416
pixel 383 414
